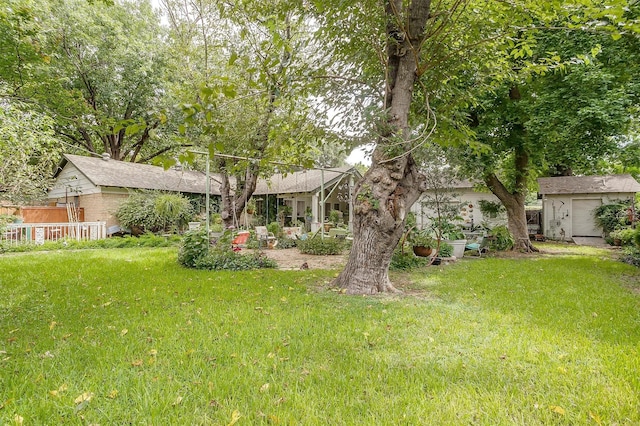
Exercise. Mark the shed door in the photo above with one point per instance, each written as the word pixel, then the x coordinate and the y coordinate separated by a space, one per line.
pixel 583 223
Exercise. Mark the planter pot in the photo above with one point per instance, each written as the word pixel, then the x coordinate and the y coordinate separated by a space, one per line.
pixel 458 247
pixel 422 251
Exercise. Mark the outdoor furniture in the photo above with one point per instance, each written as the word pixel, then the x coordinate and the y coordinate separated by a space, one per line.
pixel 240 239
pixel 292 231
pixel 477 246
pixel 266 237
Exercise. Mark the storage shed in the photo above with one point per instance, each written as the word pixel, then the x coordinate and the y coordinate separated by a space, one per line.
pixel 568 202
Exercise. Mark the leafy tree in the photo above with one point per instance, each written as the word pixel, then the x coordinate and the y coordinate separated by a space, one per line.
pixel 95 67
pixel 29 151
pixel 427 53
pixel 252 106
pixel 550 122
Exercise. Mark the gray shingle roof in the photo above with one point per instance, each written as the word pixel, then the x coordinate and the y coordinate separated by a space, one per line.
pixel 588 184
pixel 122 174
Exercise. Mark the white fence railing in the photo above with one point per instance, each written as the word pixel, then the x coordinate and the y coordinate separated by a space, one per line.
pixel 38 233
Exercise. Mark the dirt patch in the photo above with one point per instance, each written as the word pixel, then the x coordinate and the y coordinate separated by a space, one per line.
pixel 292 259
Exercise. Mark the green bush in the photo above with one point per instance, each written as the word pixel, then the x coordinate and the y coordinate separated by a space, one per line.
pixel 144 240
pixel 610 217
pixel 631 255
pixel 285 243
pixel 626 236
pixel 195 246
pixel 154 211
pixel 226 259
pixel 502 239
pixel 446 250
pixel 275 229
pixel 319 246
pixel 406 261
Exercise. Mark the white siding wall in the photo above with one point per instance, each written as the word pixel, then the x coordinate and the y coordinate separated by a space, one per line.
pixel 70 183
pixel 471 214
pixel 557 212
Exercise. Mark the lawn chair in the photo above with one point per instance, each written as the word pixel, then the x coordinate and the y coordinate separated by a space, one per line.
pixel 266 237
pixel 477 246
pixel 240 240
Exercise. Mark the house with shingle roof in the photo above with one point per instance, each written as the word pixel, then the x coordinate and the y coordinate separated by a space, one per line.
pixel 568 202
pixel 99 185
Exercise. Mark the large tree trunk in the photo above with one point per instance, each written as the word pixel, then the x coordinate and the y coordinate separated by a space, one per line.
pixel 384 196
pixel 516 216
pixel 393 183
pixel 234 200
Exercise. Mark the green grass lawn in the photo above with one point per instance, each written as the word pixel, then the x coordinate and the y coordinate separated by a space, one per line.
pixel 531 341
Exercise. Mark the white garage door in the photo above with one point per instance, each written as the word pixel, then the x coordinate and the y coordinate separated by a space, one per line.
pixel 583 223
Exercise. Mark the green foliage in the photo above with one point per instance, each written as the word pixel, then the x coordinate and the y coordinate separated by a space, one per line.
pixel 501 239
pixel 195 246
pixel 422 238
pixel 319 246
pixel 155 211
pixel 275 229
pixel 5 219
pixel 631 255
pixel 406 261
pixel 219 258
pixel 626 236
pixel 100 74
pixel 446 250
pixel 491 208
pixel 29 152
pixel 173 210
pixel 335 217
pixel 196 253
pixel 144 240
pixel 286 243
pixel 612 216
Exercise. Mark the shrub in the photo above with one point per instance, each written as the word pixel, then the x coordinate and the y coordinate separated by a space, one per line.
pixel 285 243
pixel 172 210
pixel 631 255
pixel 626 236
pixel 144 240
pixel 195 246
pixel 446 250
pixel 406 261
pixel 226 259
pixel 502 239
pixel 154 211
pixel 610 217
pixel 274 228
pixel 319 246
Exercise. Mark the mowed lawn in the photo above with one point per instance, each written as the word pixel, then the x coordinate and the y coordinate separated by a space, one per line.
pixel 129 337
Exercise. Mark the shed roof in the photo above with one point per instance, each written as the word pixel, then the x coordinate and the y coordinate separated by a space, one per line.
pixel 588 184
pixel 122 174
pixel 304 181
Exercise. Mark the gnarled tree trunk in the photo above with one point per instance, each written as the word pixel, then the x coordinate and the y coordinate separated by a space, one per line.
pixel 393 183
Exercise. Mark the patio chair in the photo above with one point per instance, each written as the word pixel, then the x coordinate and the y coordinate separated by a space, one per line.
pixel 240 240
pixel 266 237
pixel 477 246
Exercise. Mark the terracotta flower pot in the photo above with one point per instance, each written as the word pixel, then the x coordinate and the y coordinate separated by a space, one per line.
pixel 422 251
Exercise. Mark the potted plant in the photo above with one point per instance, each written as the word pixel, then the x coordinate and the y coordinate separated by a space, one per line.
pixel 335 217
pixel 251 206
pixel 422 242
